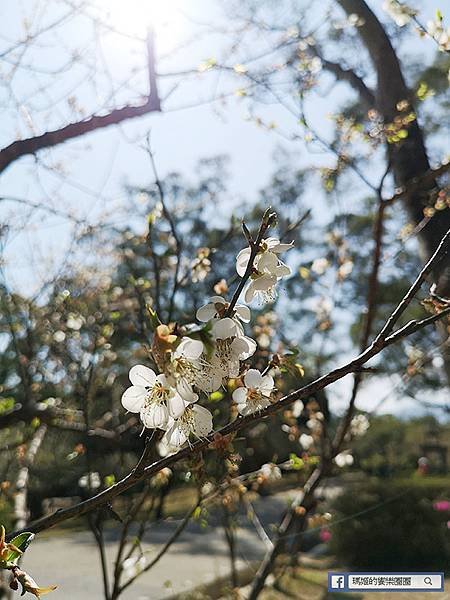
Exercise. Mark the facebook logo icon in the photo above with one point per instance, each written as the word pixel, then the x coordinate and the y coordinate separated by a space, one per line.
pixel 336 581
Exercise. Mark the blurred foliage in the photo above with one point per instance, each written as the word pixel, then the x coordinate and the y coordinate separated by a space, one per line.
pixel 392 446
pixel 378 527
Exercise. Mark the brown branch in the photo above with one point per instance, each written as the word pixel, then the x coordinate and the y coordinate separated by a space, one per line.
pixel 348 75
pixel 20 148
pixel 176 534
pixel 417 183
pixel 267 564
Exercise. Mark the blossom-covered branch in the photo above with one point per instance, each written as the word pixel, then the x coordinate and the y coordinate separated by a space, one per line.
pixel 169 402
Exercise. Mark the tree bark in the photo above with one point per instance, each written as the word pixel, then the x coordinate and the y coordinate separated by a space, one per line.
pixel 20 499
pixel 408 158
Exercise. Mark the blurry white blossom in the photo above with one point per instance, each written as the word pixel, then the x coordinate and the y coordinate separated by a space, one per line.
pixel 359 425
pixel 297 408
pixel 344 459
pixel 271 472
pixel 399 12
pixel 306 441
pixel 320 265
pixel 90 481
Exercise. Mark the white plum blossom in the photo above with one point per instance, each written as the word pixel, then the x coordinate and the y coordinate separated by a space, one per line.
pixel 315 422
pixel 189 367
pixel 268 269
pixel 255 395
pixel 442 36
pixel 306 441
pixel 271 472
pixel 269 248
pixel 216 309
pixel 168 400
pixel 90 480
pixel 231 344
pixel 133 566
pixel 262 286
pixel 399 12
pixel 152 397
pixel 344 459
pixel 359 425
pixel 320 265
pixel 297 408
pixel 195 420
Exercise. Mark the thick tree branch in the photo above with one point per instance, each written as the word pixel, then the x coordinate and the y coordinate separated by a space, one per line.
pixel 366 95
pixel 20 148
pixel 408 157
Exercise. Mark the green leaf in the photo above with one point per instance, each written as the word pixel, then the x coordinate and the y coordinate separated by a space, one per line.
pixel 297 463
pixel 6 404
pixel 216 396
pixel 110 480
pixel 21 542
pixel 154 319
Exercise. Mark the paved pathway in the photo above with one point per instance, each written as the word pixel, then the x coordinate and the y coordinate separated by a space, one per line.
pixel 198 557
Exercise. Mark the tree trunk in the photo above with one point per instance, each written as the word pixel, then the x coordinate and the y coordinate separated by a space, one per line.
pixel 408 158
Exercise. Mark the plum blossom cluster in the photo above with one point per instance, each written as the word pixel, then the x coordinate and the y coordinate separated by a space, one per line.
pixel 195 361
pixel 399 12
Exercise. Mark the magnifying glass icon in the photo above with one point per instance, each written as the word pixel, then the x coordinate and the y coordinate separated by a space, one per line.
pixel 427 581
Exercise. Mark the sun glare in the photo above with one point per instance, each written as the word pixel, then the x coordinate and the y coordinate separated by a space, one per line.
pixel 134 17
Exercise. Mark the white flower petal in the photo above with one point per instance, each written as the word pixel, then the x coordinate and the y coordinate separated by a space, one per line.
pixel 283 270
pixel 279 248
pixel 162 379
pixel 185 391
pixel 133 398
pixel 253 378
pixel 224 328
pixel 206 313
pixel 242 261
pixel 203 422
pixel 175 437
pixel 264 283
pixel 250 292
pixel 244 347
pixel 267 385
pixel 155 416
pixel 164 448
pixel 243 312
pixel 140 375
pixel 268 263
pixel 240 395
pixel 217 300
pixel 271 242
pixel 176 406
pixel 190 349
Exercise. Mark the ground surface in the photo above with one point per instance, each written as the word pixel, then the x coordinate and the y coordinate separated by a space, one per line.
pixel 199 557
